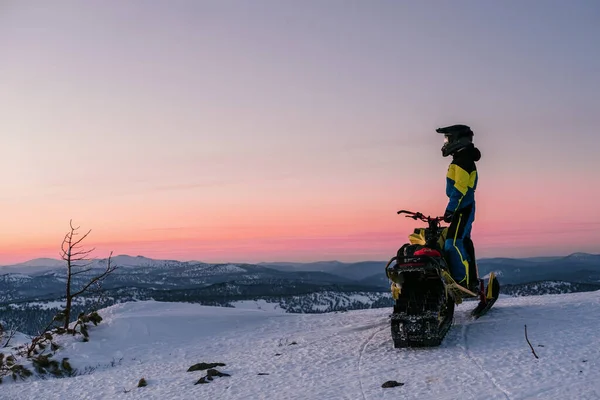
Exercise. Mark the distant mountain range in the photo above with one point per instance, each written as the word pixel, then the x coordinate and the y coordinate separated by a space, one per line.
pixel 576 267
pixel 44 278
pixel 35 281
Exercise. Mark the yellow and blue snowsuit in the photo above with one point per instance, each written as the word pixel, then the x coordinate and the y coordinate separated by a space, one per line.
pixel 461 182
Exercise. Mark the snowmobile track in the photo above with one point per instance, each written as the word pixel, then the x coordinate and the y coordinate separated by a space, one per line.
pixel 363 348
pixel 489 376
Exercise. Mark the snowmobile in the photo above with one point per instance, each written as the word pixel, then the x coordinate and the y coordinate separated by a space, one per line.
pixel 424 292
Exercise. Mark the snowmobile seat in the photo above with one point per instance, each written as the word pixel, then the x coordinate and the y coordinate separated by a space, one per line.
pixel 427 252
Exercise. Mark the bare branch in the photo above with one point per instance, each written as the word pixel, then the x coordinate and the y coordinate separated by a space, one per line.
pixel 81 238
pixel 65 245
pixel 41 337
pixel 528 342
pixel 85 261
pixel 82 253
pixel 11 335
pixel 94 280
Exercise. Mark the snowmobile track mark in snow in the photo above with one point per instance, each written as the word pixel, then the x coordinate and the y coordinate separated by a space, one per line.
pixel 363 348
pixel 487 374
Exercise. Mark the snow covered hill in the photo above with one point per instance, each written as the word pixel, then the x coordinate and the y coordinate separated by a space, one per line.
pixel 342 355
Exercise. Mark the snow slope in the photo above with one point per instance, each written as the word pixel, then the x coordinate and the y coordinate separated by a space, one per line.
pixel 344 355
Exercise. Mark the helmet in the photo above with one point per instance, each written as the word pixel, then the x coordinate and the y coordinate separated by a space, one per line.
pixel 456 137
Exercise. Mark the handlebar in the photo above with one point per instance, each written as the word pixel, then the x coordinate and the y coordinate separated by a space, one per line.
pixel 418 215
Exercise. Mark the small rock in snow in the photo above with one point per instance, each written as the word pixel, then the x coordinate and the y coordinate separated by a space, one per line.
pixel 203 366
pixel 390 384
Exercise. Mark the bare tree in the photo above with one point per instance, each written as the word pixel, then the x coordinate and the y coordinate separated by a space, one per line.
pixel 78 262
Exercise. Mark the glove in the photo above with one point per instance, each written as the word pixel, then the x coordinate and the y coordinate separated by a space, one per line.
pixel 448 216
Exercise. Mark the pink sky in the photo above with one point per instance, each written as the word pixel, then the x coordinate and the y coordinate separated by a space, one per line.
pixel 233 132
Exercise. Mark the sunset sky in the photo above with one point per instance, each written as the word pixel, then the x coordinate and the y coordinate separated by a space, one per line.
pixel 293 131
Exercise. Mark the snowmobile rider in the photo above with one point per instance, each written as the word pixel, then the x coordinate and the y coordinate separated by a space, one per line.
pixel 461 182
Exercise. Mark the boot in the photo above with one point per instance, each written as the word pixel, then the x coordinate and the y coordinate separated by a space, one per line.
pixel 473 270
pixel 474 285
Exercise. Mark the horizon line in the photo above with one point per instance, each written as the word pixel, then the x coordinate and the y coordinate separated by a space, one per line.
pixel 290 261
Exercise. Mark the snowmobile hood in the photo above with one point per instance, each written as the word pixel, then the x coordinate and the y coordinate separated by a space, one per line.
pixel 470 151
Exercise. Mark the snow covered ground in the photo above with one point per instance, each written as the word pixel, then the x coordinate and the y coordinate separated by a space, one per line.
pixel 344 355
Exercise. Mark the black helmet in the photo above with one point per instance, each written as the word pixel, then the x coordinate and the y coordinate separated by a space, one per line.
pixel 457 137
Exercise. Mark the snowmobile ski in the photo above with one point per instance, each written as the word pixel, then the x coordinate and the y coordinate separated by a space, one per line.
pixel 487 297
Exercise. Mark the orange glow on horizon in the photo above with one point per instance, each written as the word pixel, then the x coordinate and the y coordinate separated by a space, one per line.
pixel 248 244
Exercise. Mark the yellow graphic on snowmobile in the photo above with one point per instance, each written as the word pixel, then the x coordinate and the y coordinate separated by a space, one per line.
pixel 396 289
pixel 418 237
